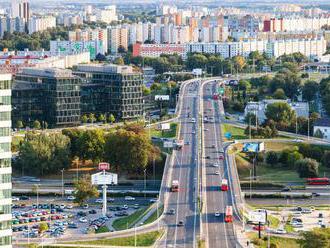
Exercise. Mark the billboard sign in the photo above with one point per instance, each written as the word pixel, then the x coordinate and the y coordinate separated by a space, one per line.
pixel 104 178
pixel 162 97
pixel 165 126
pixel 257 217
pixel 168 144
pixel 197 71
pixel 104 166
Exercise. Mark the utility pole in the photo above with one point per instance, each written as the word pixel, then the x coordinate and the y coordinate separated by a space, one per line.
pixel 308 128
pixel 145 183
pixel 62 183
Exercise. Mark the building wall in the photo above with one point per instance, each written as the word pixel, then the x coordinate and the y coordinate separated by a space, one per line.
pixel 5 160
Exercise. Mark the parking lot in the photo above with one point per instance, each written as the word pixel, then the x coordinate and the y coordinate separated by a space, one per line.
pixel 297 219
pixel 65 219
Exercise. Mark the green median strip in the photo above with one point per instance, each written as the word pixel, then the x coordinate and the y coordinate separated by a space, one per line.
pixel 153 217
pixel 145 239
pixel 129 221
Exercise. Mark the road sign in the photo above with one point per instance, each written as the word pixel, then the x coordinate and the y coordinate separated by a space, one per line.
pixel 162 97
pixel 102 178
pixel 168 144
pixel 257 217
pixel 104 166
pixel 228 135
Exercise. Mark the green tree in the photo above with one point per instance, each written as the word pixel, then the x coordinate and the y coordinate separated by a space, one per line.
pixel 84 119
pixel 326 159
pixel 316 238
pixel 280 112
pixel 307 167
pixel 196 60
pixel 293 157
pixel 19 124
pixel 111 118
pixel 91 145
pixel 36 124
pixel 84 190
pixel 272 158
pixel 73 134
pixel 101 118
pixel 91 118
pixel 279 94
pixel 119 61
pixel 43 227
pixel 239 63
pixel 43 154
pixel 146 90
pixel 155 87
pixel 127 150
pixel 250 118
pixel 309 90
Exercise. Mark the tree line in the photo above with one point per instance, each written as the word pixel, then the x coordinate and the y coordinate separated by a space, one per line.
pixel 127 149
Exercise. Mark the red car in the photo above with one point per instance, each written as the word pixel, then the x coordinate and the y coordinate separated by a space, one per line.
pixel 262 228
pixel 221 157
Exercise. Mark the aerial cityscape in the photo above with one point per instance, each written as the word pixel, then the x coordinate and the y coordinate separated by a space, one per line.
pixel 168 124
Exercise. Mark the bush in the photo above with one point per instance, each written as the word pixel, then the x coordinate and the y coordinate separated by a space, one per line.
pixel 284 156
pixel 272 158
pixel 274 245
pixel 326 159
pixel 307 167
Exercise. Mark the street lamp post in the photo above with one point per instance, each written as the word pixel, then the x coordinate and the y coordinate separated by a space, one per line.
pixel 145 183
pixel 62 171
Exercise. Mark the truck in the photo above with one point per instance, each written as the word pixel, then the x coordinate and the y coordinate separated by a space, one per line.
pixel 175 186
pixel 179 144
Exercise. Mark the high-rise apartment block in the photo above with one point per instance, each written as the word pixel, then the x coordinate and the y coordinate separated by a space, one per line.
pixel 5 161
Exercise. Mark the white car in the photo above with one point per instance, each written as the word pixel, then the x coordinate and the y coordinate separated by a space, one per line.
pixel 193 120
pixel 98 201
pixel 280 231
pixel 153 200
pixel 62 206
pixel 15 198
pixel 320 222
pixel 69 206
pixel 215 165
pixel 125 207
pixel 217 214
pixel 83 220
pixel 71 198
pixel 217 173
pixel 129 198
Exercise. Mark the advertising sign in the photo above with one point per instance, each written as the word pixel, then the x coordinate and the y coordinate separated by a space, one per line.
pixel 104 166
pixel 162 97
pixel 168 144
pixel 165 126
pixel 104 178
pixel 257 217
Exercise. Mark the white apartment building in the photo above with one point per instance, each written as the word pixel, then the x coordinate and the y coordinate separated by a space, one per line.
pixel 98 34
pixel 259 108
pixel 107 15
pixel 117 37
pixel 40 23
pixel 322 125
pixel 5 161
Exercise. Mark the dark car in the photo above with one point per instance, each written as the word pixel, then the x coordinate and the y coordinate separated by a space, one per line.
pixel 286 189
pixel 24 198
pixel 180 223
pixel 93 211
pixel 73 225
pixel 81 213
pixel 315 194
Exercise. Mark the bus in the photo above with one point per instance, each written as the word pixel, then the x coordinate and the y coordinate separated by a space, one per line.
pixel 318 181
pixel 229 214
pixel 224 185
pixel 175 186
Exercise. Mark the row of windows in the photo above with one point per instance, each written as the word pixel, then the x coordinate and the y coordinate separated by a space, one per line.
pixel 4 147
pixel 5 85
pixel 5 116
pixel 5 225
pixel 5 163
pixel 5 240
pixel 5 100
pixel 5 194
pixel 5 178
pixel 5 131
pixel 5 209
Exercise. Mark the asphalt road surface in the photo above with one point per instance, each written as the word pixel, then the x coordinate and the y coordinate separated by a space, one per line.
pixel 217 233
pixel 184 170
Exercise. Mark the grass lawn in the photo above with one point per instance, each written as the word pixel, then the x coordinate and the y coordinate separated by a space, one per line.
pixel 102 229
pixel 278 146
pixel 236 132
pixel 279 241
pixel 153 217
pixel 274 221
pixel 129 221
pixel 146 239
pixel 154 132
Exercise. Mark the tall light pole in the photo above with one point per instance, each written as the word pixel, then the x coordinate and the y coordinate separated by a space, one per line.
pixel 145 181
pixel 37 188
pixel 62 171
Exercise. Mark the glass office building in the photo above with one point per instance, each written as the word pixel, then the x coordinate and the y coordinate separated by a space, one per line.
pixel 111 89
pixel 46 95
pixel 5 160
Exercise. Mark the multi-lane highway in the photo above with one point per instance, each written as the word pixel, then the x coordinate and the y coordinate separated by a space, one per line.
pixel 216 232
pixel 184 169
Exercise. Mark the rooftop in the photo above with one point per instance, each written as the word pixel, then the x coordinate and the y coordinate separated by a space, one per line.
pixel 322 122
pixel 49 72
pixel 105 68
